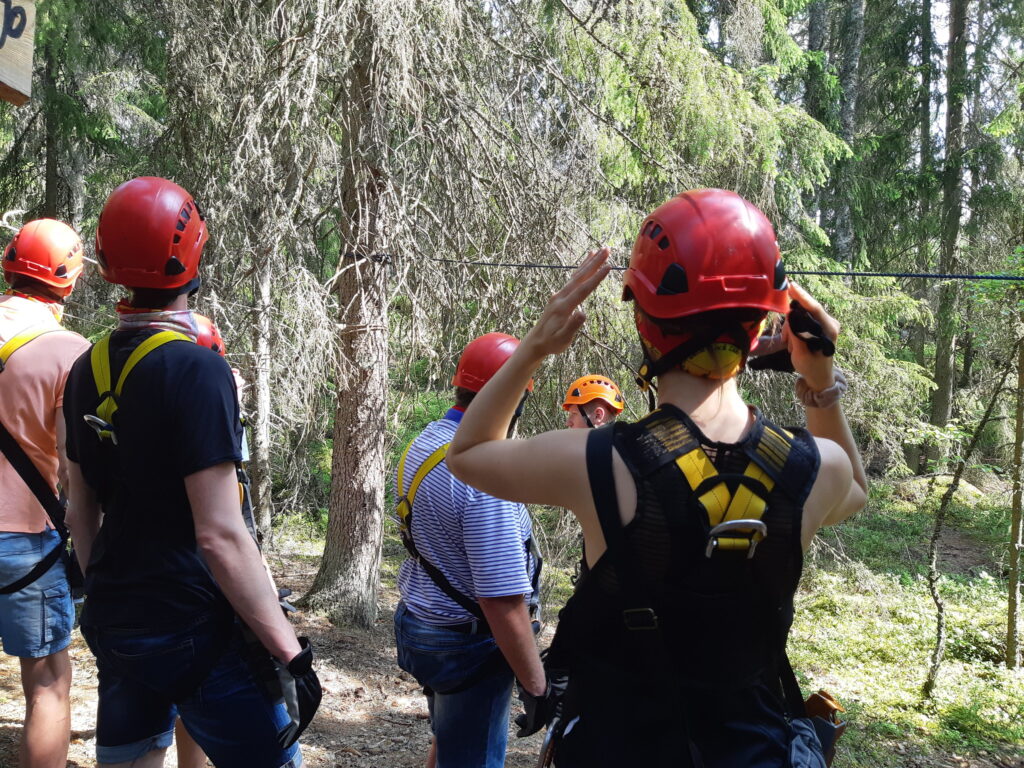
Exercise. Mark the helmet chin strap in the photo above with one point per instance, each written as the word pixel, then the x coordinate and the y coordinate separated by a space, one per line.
pixel 651 369
pixel 517 414
pixel 583 413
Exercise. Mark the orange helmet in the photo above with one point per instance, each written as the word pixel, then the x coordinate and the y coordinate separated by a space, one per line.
pixel 482 358
pixel 594 387
pixel 48 251
pixel 150 235
pixel 208 335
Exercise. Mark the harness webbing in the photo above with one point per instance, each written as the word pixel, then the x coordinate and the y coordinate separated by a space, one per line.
pixel 100 359
pixel 404 510
pixel 747 501
pixel 19 340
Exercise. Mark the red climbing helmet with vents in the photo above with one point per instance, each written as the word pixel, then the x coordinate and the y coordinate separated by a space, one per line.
pixel 706 249
pixel 703 250
pixel 48 251
pixel 150 235
pixel 208 334
pixel 482 358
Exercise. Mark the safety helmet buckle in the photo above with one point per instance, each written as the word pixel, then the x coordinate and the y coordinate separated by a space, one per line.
pixel 751 532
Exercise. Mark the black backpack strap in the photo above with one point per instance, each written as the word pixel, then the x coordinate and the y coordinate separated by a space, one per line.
pixel 41 489
pixel 638 615
pixel 791 695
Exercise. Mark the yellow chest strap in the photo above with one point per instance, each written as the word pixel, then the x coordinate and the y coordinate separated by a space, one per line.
pixel 19 340
pixel 738 512
pixel 406 499
pixel 100 359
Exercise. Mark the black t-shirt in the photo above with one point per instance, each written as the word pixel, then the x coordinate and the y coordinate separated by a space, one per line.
pixel 177 414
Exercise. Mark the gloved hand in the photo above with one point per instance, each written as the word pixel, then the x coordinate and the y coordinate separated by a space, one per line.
pixel 301 691
pixel 541 710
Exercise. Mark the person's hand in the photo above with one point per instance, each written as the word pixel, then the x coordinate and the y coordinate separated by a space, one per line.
pixel 815 367
pixel 563 316
pixel 240 383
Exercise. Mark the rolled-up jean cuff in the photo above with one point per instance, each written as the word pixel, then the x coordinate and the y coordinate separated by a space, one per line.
pixel 126 753
pixel 295 762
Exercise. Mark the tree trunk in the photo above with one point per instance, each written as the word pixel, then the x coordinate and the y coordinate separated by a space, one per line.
pixel 925 168
pixel 952 209
pixel 1016 538
pixel 851 40
pixel 262 473
pixel 50 179
pixel 346 584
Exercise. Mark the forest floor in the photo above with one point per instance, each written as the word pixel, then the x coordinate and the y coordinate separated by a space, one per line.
pixel 864 629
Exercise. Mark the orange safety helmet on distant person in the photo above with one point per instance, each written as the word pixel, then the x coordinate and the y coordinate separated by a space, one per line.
pixel 48 251
pixel 208 335
pixel 594 387
pixel 482 358
pixel 703 250
pixel 151 234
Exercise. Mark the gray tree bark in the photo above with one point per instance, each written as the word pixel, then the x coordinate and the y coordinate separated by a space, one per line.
pixel 952 210
pixel 851 40
pixel 347 582
pixel 260 464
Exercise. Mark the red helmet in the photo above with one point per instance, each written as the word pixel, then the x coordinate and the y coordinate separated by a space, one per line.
pixel 48 251
pixel 150 235
pixel 208 335
pixel 482 358
pixel 703 250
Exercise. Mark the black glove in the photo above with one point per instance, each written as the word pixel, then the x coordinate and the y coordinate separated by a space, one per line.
pixel 300 689
pixel 541 710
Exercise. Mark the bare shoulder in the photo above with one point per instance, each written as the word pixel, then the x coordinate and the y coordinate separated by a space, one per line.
pixel 834 495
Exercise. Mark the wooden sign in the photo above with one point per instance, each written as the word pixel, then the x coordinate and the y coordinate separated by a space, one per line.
pixel 17 37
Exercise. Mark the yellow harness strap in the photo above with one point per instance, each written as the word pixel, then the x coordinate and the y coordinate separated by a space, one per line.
pixel 723 506
pixel 100 359
pixel 405 501
pixel 19 340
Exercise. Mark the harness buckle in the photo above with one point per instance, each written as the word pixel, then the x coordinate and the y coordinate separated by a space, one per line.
pixel 753 531
pixel 640 618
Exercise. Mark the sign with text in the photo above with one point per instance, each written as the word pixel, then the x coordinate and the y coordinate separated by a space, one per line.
pixel 17 37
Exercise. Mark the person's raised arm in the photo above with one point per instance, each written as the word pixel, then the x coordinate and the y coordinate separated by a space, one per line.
pixel 479 455
pixel 235 560
pixel 842 486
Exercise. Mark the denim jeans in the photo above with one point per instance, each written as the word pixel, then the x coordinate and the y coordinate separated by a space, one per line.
pixel 470 690
pixel 146 678
pixel 35 621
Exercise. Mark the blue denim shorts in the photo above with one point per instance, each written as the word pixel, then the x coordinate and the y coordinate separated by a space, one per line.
pixel 35 621
pixel 470 722
pixel 147 678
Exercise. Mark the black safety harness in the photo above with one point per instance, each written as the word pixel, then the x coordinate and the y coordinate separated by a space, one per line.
pixel 727 507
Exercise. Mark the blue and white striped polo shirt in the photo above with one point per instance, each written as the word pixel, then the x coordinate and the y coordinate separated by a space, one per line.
pixel 477 541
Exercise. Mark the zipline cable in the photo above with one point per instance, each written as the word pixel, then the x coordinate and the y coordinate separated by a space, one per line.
pixel 823 273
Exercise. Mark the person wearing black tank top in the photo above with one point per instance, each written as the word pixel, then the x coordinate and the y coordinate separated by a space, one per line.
pixel 696 517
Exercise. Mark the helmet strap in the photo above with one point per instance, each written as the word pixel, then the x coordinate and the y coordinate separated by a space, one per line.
pixel 518 412
pixel 583 413
pixel 676 356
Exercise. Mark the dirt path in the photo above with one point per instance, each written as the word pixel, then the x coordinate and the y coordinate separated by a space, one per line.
pixel 372 715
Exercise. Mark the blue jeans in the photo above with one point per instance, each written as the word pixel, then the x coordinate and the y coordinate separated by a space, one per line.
pixel 470 690
pixel 147 678
pixel 35 621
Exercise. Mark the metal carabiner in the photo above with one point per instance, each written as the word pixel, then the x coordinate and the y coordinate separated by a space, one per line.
pixel 756 529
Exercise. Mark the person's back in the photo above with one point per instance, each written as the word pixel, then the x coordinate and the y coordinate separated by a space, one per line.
pixel 695 519
pixel 177 414
pixel 154 438
pixel 41 264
